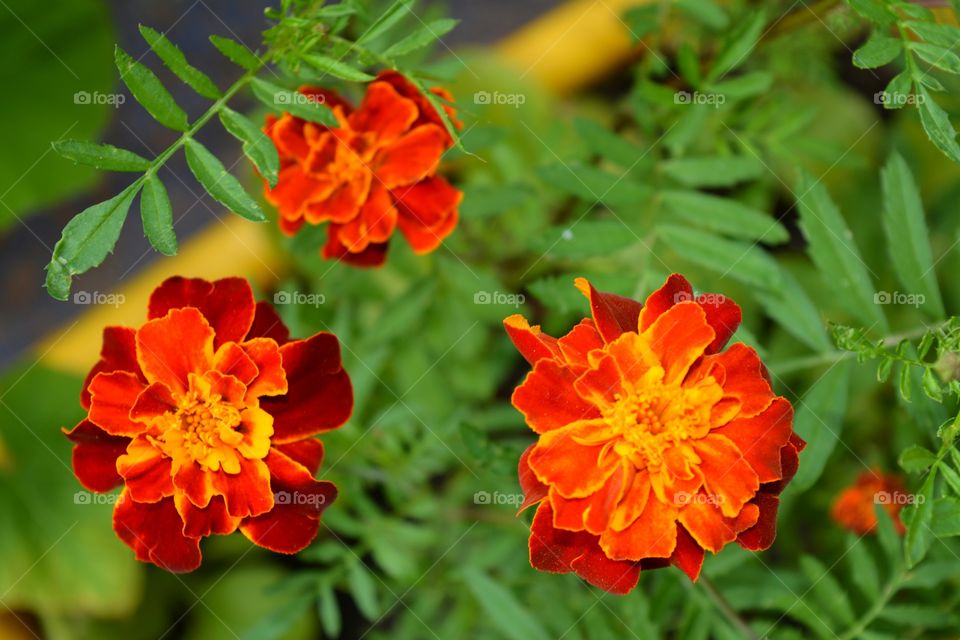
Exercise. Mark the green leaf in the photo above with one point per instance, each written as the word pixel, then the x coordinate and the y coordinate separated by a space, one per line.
pixel 831 597
pixel 819 420
pixel 335 68
pixel 293 102
pixel 746 85
pixel 940 57
pixel 177 62
pixel 236 53
pixel 713 171
pixel 150 92
pixel 503 610
pixel 874 11
pixel 834 252
pixel 951 477
pixel 364 589
pixel 931 386
pixel 157 216
pixel 733 259
pixel 422 36
pixel 792 308
pixel 642 20
pixel 946 517
pixel 101 156
pixel 219 183
pixel 706 12
pixel 944 35
pixel 328 610
pixel 863 568
pixel 257 145
pixel 898 92
pixel 936 124
pixel 86 241
pixel 917 518
pixel 387 19
pixel 586 239
pixel 594 185
pixel 908 239
pixel 606 143
pixel 739 45
pixel 916 459
pixel 725 215
pixel 879 50
pixel 888 536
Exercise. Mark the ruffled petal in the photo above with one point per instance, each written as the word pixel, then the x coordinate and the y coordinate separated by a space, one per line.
pixel 547 398
pixel 246 493
pixel 728 476
pixel 319 396
pixel 411 158
pixel 155 532
pixel 652 535
pixel 576 345
pixel 710 529
pixel 270 379
pixel 427 212
pixel 267 323
pixel 384 112
pixel 112 396
pixel 95 454
pixel 760 536
pixel 227 304
pixel 374 255
pixel 299 501
pixel 679 337
pixel 688 555
pixel 146 471
pixel 723 315
pixel 531 342
pixel 118 353
pixel 612 314
pixel 212 520
pixel 761 438
pixel 174 346
pixel 533 490
pixel 675 290
pixel 308 452
pixel 573 469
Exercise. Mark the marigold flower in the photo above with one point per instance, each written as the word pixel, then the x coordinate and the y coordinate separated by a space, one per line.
pixel 654 443
pixel 854 507
pixel 374 173
pixel 205 415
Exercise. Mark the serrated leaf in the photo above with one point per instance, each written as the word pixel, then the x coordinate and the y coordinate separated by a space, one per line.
pixel 725 215
pixel 793 309
pixel 819 419
pixel 739 45
pixel 863 568
pixel 936 124
pixel 293 102
pixel 832 598
pixel 336 68
pixel 101 156
pixel 608 144
pixel 219 183
pixel 905 382
pixel 86 241
pixel 898 92
pixel 363 589
pixel 834 252
pixel 743 86
pixel 595 185
pixel 874 11
pixel 916 459
pixel 888 537
pixel 944 35
pixel 908 239
pixel 157 216
pixel 257 145
pixel 951 477
pixel 937 56
pixel 422 36
pixel 917 518
pixel 877 51
pixel 713 171
pixel 502 608
pixel 328 610
pixel 931 386
pixel 150 92
pixel 177 63
pixel 946 517
pixel 586 239
pixel 706 12
pixel 387 20
pixel 740 261
pixel 236 53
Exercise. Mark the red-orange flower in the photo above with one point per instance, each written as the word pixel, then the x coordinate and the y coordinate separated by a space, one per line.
pixel 854 508
pixel 655 443
pixel 371 175
pixel 206 416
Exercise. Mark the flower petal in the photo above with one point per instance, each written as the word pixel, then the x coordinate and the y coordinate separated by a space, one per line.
pixel 174 346
pixel 267 323
pixel 118 353
pixel 727 474
pixel 227 304
pixel 308 452
pixel 155 532
pixel 199 523
pixel 412 157
pixel 95 454
pixel 675 290
pixel 576 345
pixel 723 315
pixel 112 396
pixel 710 529
pixel 299 501
pixel 530 341
pixel 427 212
pixel 319 396
pixel 384 112
pixel 547 398
pixel 573 469
pixel 612 314
pixel 679 337
pixel 271 379
pixel 652 535
pixel 246 493
pixel 760 438
pixel 231 359
pixel 146 471
pixel 760 536
pixel 373 256
pixel 688 555
pixel 533 490
pixel 745 378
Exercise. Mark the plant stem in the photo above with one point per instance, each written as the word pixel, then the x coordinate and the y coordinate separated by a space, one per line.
pixel 729 613
pixel 888 591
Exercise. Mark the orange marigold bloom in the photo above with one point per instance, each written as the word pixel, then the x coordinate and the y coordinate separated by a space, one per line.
pixel 854 507
pixel 655 443
pixel 206 416
pixel 374 173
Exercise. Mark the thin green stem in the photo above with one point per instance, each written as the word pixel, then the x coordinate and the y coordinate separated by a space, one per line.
pixel 891 588
pixel 728 611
